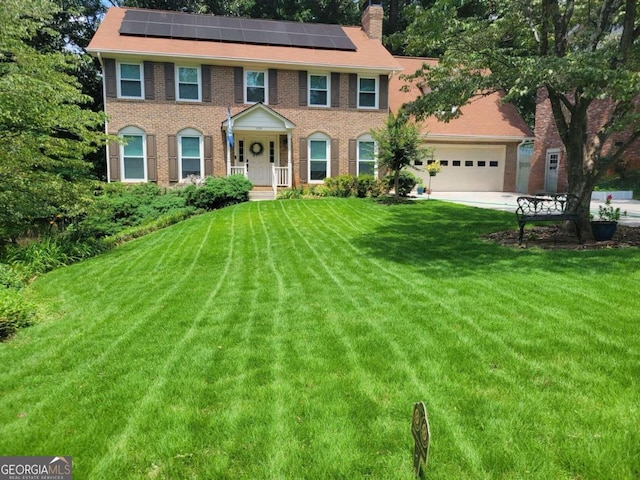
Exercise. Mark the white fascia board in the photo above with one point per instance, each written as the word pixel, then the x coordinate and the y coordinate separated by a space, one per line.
pixel 235 61
pixel 473 138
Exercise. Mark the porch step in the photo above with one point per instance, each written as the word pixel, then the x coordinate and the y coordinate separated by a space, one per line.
pixel 257 195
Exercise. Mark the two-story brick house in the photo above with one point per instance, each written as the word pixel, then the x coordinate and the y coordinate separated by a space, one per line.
pixel 302 98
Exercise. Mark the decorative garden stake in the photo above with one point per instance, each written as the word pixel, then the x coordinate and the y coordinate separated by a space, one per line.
pixel 421 436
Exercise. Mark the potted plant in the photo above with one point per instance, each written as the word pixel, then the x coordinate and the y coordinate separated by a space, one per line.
pixel 433 168
pixel 604 228
pixel 420 187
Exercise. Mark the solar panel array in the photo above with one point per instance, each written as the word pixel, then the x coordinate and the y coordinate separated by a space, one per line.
pixel 190 26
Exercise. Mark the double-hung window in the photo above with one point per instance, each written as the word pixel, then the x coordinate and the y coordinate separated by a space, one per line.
pixel 130 84
pixel 133 155
pixel 367 92
pixel 366 156
pixel 318 90
pixel 319 155
pixel 255 86
pixel 188 84
pixel 190 152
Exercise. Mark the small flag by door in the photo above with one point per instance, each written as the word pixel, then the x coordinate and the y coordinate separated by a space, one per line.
pixel 229 128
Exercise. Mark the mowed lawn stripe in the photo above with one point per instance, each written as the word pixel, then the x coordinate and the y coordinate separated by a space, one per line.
pixel 72 343
pixel 164 372
pixel 334 316
pixel 386 350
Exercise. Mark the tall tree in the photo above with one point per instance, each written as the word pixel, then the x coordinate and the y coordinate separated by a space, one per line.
pixel 44 131
pixel 580 52
pixel 70 29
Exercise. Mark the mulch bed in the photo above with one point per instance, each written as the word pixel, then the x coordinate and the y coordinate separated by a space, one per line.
pixel 558 237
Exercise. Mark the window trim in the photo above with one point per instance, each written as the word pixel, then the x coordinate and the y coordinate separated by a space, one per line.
pixel 177 82
pixel 119 80
pixel 376 92
pixel 318 74
pixel 190 133
pixel 265 86
pixel 133 131
pixel 315 138
pixel 368 139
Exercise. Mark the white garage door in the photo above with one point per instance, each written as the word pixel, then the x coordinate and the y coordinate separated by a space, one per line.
pixel 470 168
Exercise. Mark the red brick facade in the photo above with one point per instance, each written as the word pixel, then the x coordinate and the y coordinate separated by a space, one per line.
pixel 162 118
pixel 548 138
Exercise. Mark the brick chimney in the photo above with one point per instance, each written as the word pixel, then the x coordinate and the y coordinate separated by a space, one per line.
pixel 372 20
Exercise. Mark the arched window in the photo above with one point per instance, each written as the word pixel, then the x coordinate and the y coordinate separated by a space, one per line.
pixel 367 155
pixel 319 146
pixel 190 153
pixel 133 154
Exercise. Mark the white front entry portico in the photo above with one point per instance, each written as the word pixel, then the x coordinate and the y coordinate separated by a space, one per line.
pixel 259 134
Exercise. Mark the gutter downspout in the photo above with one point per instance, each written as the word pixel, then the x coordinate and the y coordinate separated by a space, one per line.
pixel 106 121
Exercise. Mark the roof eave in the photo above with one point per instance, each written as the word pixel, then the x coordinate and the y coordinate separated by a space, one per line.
pixel 475 138
pixel 252 61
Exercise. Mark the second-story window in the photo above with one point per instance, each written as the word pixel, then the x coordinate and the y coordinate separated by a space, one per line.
pixel 367 92
pixel 255 86
pixel 318 90
pixel 188 84
pixel 130 82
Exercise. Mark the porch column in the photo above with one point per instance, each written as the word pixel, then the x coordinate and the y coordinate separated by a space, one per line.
pixel 289 163
pixel 229 147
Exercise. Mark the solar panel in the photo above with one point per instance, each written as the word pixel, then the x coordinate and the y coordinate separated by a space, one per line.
pixel 237 30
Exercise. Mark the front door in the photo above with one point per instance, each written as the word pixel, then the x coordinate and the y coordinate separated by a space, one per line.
pixel 257 158
pixel 551 176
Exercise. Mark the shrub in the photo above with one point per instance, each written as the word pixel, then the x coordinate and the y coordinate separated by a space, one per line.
pixel 342 185
pixel 406 182
pixel 290 193
pixel 15 312
pixel 316 191
pixel 169 218
pixel 369 186
pixel 218 192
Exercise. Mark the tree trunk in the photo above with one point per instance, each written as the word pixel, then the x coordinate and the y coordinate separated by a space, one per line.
pixel 396 184
pixel 581 173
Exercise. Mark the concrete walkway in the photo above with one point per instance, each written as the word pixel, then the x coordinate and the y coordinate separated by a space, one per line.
pixel 508 202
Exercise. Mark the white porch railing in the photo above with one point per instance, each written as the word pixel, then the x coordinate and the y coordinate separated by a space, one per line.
pixel 279 178
pixel 240 170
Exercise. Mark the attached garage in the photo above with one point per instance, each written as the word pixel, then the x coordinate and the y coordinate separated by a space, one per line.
pixel 479 149
pixel 479 168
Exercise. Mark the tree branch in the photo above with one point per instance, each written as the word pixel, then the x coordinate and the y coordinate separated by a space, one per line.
pixel 626 40
pixel 557 99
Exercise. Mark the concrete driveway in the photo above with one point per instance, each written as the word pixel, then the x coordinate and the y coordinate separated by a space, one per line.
pixel 507 202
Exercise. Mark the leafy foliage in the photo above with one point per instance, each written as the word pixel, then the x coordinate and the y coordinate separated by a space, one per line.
pixel 44 131
pixel 579 53
pixel 15 312
pixel 362 186
pixel 345 12
pixel 406 182
pixel 398 146
pixel 218 192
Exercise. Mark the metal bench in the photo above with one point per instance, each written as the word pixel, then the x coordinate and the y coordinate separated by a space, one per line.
pixel 550 208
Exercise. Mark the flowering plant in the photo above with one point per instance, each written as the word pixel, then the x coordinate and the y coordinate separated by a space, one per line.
pixel 434 167
pixel 607 213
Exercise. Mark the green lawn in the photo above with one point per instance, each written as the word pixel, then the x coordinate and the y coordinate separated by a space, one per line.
pixel 289 339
